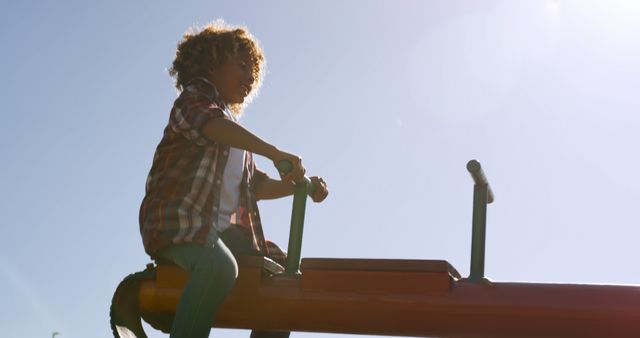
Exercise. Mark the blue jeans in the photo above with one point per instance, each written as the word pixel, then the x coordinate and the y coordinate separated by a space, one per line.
pixel 213 271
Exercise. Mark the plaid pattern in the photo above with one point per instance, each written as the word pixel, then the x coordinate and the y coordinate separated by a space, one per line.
pixel 183 187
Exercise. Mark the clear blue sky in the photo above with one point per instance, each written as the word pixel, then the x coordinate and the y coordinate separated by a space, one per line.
pixel 387 100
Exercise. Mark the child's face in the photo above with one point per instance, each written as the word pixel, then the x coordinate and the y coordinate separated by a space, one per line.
pixel 234 78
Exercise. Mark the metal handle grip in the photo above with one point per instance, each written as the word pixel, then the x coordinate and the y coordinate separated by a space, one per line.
pixel 286 166
pixel 479 177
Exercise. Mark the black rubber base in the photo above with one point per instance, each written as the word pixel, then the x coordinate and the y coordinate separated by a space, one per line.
pixel 124 313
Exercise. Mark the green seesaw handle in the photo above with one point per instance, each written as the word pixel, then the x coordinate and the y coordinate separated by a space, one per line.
pixel 302 189
pixel 284 167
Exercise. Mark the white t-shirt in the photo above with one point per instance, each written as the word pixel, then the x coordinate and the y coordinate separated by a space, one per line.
pixel 230 191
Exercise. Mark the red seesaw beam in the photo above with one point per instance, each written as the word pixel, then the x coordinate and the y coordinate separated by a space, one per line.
pixel 419 298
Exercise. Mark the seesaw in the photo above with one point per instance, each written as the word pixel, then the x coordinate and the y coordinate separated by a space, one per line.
pixel 421 298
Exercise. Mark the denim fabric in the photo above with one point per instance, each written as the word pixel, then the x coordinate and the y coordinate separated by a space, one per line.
pixel 213 271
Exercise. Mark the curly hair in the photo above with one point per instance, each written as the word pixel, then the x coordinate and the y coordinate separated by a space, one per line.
pixel 202 50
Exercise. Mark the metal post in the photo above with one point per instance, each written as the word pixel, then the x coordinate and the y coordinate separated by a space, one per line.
pixel 482 195
pixel 479 229
pixel 294 249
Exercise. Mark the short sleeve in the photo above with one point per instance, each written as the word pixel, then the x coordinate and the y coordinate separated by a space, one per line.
pixel 190 113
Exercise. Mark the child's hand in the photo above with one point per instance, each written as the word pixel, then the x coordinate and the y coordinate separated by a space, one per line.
pixel 321 189
pixel 295 175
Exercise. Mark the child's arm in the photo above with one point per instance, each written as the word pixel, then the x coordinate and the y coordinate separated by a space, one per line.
pixel 269 188
pixel 225 131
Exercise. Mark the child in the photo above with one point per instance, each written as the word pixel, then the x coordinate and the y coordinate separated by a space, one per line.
pixel 203 185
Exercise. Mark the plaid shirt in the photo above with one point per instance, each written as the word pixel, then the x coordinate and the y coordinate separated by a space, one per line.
pixel 183 187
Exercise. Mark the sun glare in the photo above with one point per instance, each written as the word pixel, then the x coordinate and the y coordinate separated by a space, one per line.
pixel 616 16
pixel 552 8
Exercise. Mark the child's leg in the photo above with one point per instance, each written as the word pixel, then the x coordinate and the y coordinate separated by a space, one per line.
pixel 240 245
pixel 213 272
